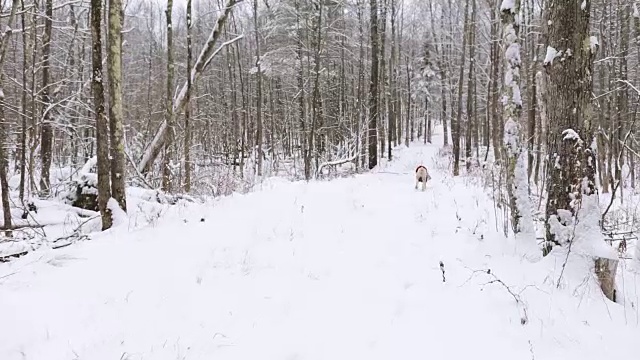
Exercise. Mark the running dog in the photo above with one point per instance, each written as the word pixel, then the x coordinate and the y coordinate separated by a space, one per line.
pixel 422 176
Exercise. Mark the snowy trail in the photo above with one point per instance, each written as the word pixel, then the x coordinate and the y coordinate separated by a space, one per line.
pixel 346 269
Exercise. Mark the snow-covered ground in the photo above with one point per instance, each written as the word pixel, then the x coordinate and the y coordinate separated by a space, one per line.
pixel 344 269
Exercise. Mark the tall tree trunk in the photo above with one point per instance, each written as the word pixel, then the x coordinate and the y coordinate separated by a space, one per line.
pixel 316 102
pixel 46 137
pixel 513 114
pixel 373 90
pixel 531 91
pixel 392 82
pixel 102 123
pixel 259 136
pixel 4 164
pixel 116 119
pixel 23 130
pixel 167 176
pixel 187 109
pixel 496 120
pixel 408 126
pixel 383 85
pixel 469 129
pixel 457 125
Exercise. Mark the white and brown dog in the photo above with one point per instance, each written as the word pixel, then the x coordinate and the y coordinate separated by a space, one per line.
pixel 422 176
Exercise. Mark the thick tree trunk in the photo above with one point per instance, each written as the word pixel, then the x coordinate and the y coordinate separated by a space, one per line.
pixel 102 123
pixel 569 86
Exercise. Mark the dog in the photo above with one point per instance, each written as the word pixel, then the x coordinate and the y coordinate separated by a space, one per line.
pixel 422 176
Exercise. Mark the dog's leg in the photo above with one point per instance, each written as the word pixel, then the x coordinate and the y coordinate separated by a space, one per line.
pixel 417 184
pixel 424 185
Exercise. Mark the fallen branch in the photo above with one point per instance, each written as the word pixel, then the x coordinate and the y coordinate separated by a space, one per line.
pixel 151 153
pixel 335 163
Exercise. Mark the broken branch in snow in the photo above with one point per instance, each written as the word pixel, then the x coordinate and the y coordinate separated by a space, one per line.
pixel 442 269
pixel 335 163
pixel 524 317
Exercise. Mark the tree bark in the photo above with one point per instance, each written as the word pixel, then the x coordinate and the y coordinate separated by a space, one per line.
pixel 187 109
pixel 456 126
pixel 373 90
pixel 116 119
pixel 258 150
pixel 46 136
pixel 102 123
pixel 167 176
pixel 571 178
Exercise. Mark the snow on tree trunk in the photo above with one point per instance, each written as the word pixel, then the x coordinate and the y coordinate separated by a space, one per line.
pixel 516 155
pixel 573 212
pixel 205 57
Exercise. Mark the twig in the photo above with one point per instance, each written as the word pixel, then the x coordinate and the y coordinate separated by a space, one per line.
pixel 524 317
pixel 613 193
pixel 133 165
